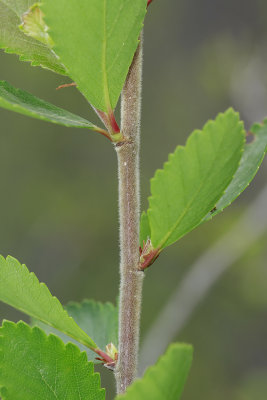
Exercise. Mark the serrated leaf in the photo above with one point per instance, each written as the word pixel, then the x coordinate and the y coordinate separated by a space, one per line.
pixel 25 103
pixel 99 320
pixel 250 162
pixel 21 289
pixel 34 366
pixel 166 379
pixel 13 40
pixel 96 41
pixel 145 232
pixel 194 178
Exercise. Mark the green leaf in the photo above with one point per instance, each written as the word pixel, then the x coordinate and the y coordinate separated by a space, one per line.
pixel 36 367
pixel 33 25
pixel 25 103
pixel 21 289
pixel 19 7
pixel 194 178
pixel 99 320
pixel 96 41
pixel 145 232
pixel 250 162
pixel 165 380
pixel 13 40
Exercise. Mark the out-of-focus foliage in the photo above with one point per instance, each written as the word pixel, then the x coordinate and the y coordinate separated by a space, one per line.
pixel 100 320
pixel 254 386
pixel 58 203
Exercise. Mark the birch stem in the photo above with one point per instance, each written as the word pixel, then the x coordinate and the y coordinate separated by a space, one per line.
pixel 129 204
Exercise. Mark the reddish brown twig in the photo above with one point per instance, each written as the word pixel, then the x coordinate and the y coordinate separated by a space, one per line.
pixel 66 85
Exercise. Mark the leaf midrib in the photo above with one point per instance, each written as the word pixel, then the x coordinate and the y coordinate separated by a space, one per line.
pixel 44 116
pixel 54 326
pixel 45 321
pixel 167 236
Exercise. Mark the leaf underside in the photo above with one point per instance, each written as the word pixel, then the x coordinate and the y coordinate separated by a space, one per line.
pixel 251 160
pixel 99 320
pixel 165 380
pixel 26 104
pixel 193 180
pixel 21 289
pixel 34 366
pixel 96 41
pixel 13 40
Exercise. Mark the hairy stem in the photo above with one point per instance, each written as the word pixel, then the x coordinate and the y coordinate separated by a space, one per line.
pixel 129 203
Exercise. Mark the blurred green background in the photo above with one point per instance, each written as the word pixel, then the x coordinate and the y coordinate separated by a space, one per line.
pixel 58 196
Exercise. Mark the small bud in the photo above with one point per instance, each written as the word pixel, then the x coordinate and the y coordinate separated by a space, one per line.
pixel 148 255
pixel 147 249
pixel 111 351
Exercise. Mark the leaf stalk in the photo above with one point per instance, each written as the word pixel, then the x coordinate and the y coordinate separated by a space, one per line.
pixel 114 133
